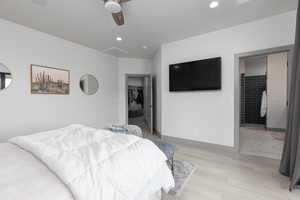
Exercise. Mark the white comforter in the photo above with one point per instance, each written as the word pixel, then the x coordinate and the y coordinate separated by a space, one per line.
pixel 98 164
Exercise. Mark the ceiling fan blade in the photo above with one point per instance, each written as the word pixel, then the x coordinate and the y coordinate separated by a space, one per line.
pixel 119 18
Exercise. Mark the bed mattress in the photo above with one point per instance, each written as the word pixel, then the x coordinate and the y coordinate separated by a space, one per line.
pixel 24 176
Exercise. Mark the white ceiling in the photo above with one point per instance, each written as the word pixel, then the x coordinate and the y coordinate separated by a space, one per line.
pixel 148 22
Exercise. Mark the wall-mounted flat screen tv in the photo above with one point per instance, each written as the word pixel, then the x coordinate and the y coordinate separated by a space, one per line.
pixel 196 75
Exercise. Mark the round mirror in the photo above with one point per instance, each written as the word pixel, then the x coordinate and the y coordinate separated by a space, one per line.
pixel 5 77
pixel 89 84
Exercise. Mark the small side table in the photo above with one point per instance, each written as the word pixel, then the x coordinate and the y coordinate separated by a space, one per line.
pixel 169 150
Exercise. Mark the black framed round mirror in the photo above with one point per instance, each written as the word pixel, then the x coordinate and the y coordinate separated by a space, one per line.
pixel 89 84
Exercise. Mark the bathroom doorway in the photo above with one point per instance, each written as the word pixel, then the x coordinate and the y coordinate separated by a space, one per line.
pixel 139 101
pixel 263 103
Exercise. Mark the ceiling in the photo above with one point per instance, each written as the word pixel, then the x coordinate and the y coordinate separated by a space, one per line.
pixel 147 22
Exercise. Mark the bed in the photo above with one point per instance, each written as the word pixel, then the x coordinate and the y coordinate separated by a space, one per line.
pixel 82 163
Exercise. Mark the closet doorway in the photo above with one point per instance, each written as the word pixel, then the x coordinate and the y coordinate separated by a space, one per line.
pixel 139 109
pixel 263 104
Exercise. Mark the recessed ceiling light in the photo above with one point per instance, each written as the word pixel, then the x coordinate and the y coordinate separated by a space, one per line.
pixel 119 39
pixel 144 47
pixel 214 4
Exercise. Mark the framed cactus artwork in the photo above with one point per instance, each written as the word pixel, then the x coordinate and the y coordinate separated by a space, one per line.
pixel 49 80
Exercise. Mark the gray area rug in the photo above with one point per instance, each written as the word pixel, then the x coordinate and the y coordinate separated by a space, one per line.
pixel 183 171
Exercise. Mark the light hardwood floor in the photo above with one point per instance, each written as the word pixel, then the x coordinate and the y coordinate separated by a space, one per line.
pixel 221 176
pixel 261 142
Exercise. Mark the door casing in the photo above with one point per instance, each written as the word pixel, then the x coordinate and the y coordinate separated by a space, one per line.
pixel 149 76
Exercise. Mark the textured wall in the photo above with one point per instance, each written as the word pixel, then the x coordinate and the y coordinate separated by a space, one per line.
pixel 210 116
pixel 254 87
pixel 26 113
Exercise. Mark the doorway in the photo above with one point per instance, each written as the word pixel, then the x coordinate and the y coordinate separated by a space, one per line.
pixel 263 78
pixel 139 102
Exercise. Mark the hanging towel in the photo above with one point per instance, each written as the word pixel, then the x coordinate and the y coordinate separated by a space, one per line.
pixel 263 107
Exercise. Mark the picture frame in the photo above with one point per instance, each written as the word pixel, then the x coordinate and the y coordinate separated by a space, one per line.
pixel 49 80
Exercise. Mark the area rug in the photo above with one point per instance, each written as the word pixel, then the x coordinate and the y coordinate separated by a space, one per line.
pixel 183 171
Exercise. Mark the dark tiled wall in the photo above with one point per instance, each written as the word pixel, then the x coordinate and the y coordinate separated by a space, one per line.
pixel 242 105
pixel 251 93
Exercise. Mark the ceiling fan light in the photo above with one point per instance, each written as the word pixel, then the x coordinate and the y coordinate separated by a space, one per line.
pixel 113 6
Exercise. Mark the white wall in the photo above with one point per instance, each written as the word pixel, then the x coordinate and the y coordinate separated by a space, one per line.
pixel 134 81
pixel 129 66
pixel 242 66
pixel 277 91
pixel 256 66
pixel 27 113
pixel 209 116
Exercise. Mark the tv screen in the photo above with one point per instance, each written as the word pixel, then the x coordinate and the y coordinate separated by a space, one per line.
pixel 196 75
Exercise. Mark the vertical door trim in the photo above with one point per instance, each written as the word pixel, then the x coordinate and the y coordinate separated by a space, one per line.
pixel 237 99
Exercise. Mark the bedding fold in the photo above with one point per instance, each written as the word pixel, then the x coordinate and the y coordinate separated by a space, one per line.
pixel 98 164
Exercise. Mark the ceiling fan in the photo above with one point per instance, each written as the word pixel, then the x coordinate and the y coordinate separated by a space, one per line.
pixel 115 8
